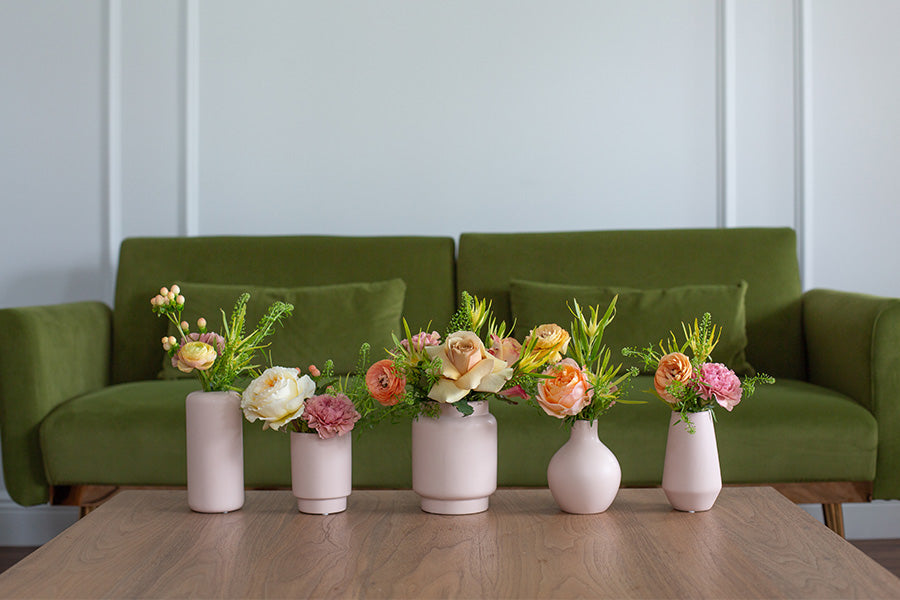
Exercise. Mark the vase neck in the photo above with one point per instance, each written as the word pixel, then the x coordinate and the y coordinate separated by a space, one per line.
pixel 449 411
pixel 583 428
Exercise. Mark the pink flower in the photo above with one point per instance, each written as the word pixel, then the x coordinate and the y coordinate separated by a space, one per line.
pixel 719 381
pixel 506 349
pixel 515 391
pixel 314 371
pixel 422 339
pixel 330 415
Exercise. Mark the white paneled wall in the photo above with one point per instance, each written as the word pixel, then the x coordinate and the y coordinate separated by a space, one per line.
pixel 185 117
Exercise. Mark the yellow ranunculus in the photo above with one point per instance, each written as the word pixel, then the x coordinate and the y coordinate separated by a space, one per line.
pixel 195 355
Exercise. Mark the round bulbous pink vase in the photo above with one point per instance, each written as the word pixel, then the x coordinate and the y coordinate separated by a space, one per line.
pixel 321 472
pixel 692 478
pixel 584 475
pixel 215 451
pixel 454 460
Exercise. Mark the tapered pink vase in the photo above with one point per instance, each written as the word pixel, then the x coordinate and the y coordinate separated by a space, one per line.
pixel 584 475
pixel 692 478
pixel 215 451
pixel 321 472
pixel 454 460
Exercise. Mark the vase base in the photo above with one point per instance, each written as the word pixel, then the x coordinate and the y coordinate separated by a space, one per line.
pixel 214 511
pixel 691 502
pixel 322 507
pixel 455 507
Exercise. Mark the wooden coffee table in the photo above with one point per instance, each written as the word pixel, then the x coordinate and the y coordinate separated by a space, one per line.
pixel 753 544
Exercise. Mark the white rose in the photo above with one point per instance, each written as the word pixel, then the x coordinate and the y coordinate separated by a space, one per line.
pixel 277 396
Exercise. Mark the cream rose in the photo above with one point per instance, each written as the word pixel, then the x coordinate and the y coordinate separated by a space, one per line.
pixel 195 355
pixel 277 396
pixel 672 367
pixel 465 366
pixel 549 338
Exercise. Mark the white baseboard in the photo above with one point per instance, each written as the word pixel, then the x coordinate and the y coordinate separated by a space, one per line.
pixel 32 525
pixel 877 520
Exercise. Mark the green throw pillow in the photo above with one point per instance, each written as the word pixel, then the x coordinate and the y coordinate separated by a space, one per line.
pixel 642 316
pixel 328 321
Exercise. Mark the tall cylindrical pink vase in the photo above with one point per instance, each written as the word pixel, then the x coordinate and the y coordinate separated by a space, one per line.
pixel 215 451
pixel 454 460
pixel 321 472
pixel 692 478
pixel 584 475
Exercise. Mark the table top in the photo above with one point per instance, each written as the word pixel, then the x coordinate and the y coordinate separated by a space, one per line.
pixel 754 543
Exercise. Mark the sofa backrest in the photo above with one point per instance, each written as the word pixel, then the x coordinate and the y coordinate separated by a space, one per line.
pixel 649 259
pixel 426 264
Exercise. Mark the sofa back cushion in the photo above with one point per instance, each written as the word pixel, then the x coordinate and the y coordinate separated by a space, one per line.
pixel 766 258
pixel 643 317
pixel 328 321
pixel 425 264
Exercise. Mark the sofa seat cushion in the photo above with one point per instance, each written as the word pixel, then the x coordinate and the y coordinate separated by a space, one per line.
pixel 791 431
pixel 134 434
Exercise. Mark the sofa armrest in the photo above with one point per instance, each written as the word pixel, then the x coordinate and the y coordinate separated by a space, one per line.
pixel 49 355
pixel 853 346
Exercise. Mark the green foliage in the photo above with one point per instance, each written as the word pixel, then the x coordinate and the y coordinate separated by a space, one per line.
pixel 462 318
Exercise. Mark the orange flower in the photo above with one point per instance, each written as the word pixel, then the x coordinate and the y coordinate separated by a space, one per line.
pixel 567 392
pixel 384 384
pixel 672 367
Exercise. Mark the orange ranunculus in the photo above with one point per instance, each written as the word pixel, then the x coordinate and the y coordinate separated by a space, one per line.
pixel 672 367
pixel 384 384
pixel 567 392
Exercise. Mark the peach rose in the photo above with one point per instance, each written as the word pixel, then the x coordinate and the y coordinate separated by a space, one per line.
pixel 550 338
pixel 465 366
pixel 195 355
pixel 567 392
pixel 672 367
pixel 384 384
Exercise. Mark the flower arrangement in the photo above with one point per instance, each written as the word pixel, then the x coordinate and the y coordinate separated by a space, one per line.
pixel 319 401
pixel 690 384
pixel 217 359
pixel 584 385
pixel 426 370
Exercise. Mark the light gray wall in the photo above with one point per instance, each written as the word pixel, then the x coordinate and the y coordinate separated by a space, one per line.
pixel 185 117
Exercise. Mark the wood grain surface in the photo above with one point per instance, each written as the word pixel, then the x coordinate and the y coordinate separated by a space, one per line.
pixel 754 543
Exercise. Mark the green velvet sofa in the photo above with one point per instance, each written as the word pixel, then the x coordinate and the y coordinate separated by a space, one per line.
pixel 82 403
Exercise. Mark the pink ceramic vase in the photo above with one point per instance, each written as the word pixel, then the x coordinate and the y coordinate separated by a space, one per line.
pixel 321 472
pixel 454 460
pixel 692 479
pixel 584 475
pixel 215 451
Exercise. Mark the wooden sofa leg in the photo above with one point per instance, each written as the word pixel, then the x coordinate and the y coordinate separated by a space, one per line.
pixel 834 517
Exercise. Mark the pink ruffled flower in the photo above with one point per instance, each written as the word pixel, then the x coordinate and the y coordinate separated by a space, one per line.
pixel 330 416
pixel 515 391
pixel 717 380
pixel 506 349
pixel 422 339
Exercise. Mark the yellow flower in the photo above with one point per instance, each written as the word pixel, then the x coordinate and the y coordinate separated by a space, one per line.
pixel 465 366
pixel 195 355
pixel 544 344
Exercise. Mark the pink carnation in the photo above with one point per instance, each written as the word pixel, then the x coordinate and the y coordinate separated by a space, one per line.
pixel 717 380
pixel 330 415
pixel 422 339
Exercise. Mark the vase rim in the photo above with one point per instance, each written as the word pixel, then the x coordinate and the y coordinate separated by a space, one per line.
pixel 480 407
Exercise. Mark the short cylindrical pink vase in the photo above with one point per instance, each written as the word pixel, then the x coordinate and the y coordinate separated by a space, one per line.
pixel 584 475
pixel 454 460
pixel 321 472
pixel 215 451
pixel 692 478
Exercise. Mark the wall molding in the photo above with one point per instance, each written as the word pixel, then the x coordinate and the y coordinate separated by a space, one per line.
pixel 726 120
pixel 803 185
pixel 190 200
pixel 113 162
